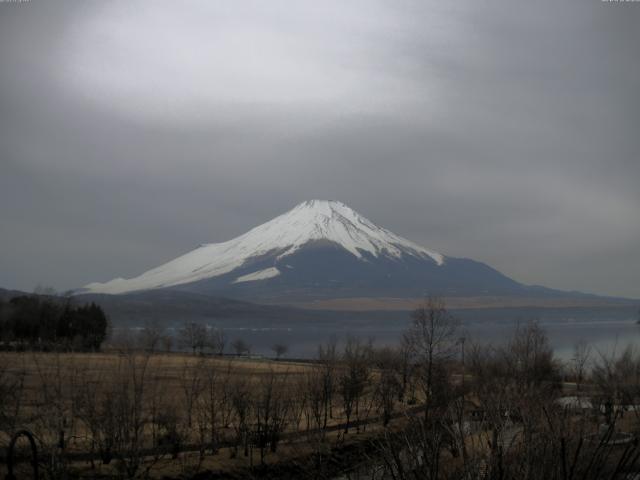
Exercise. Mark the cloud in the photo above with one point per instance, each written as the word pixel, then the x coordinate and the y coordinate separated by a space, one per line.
pixel 167 63
pixel 501 132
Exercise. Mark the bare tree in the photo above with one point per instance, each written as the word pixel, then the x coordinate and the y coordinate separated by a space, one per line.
pixel 618 379
pixel 270 408
pixel 353 377
pixel 431 341
pixel 579 361
pixel 515 384
pixel 130 419
pixel 213 404
pixel 241 401
pixel 93 402
pixel 191 385
pixel 54 418
pixel 387 385
pixel 315 400
pixel 300 401
pixel 412 453
pixel 167 343
pixel 328 359
pixel 529 357
pixel 193 336
pixel 116 413
pixel 151 335
pixel 404 369
pixel 279 349
pixel 216 340
pixel 241 347
pixel 12 381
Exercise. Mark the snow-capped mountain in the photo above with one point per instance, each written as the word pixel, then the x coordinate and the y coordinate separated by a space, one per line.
pixel 318 249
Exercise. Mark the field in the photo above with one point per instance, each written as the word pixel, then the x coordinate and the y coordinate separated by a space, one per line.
pixel 120 414
pixel 413 411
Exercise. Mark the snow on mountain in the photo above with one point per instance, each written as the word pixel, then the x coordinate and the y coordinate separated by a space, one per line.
pixel 259 275
pixel 314 220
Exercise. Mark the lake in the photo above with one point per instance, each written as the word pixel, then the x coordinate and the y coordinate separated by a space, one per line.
pixel 606 329
pixel 603 336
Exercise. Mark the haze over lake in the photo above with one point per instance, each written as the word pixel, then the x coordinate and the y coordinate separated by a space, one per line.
pixel 606 332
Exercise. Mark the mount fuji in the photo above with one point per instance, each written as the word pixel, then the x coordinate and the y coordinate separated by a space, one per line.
pixel 319 250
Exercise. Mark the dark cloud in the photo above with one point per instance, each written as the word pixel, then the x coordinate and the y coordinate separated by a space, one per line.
pixel 501 131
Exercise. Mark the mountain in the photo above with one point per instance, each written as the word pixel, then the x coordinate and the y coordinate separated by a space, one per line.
pixel 172 307
pixel 9 294
pixel 320 250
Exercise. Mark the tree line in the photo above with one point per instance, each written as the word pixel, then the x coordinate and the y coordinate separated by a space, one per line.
pixel 193 337
pixel 48 322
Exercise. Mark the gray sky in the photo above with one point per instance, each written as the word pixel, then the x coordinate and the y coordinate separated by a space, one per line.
pixel 507 132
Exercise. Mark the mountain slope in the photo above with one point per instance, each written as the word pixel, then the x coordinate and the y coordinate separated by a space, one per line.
pixel 318 250
pixel 311 221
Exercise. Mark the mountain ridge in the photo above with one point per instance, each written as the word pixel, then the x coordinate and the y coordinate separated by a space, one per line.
pixel 309 221
pixel 322 250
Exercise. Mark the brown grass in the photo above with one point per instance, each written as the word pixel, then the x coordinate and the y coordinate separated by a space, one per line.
pixel 50 381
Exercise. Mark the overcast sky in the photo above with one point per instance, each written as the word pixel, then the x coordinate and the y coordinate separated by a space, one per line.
pixel 507 132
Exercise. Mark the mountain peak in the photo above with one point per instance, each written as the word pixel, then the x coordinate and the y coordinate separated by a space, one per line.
pixel 324 207
pixel 335 221
pixel 316 202
pixel 307 222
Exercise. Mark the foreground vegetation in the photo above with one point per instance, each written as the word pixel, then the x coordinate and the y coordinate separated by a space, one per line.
pixel 437 406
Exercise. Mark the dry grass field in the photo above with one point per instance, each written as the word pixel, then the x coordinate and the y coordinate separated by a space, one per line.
pixel 131 414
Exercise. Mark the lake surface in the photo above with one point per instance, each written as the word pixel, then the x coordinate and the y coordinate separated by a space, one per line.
pixel 603 336
pixel 605 329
